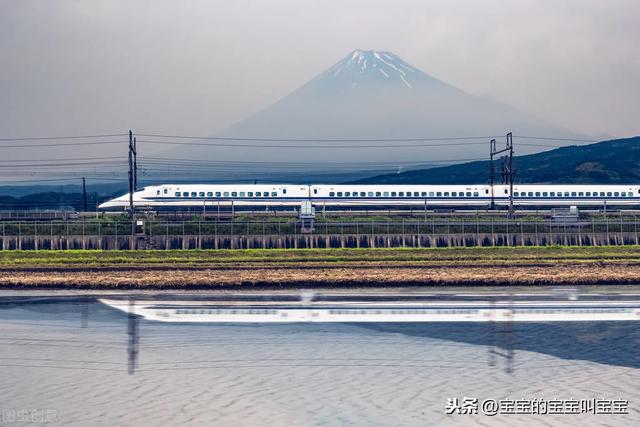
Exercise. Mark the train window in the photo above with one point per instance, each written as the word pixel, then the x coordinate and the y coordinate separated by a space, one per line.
pixel 629 194
pixel 602 194
pixel 530 193
pixel 588 194
pixel 431 194
pixel 201 194
pixel 210 194
pixel 552 194
pixel 284 191
pixel 193 194
pixel 401 194
pixel 616 194
pixel 265 194
pixel 476 194
pixel 454 194
pixel 446 194
pixel 157 192
pixel 362 194
pixel 378 194
pixel 623 194
pixel 242 194
pixel 177 194
pixel 339 193
pixel 370 194
pixel 234 194
pixel 573 194
pixel 185 194
pixel 225 194
pixel 274 193
pixel 566 194
pixel 469 194
pixel 416 194
pixel 393 194
pixel 250 194
pixel 580 194
pixel 545 194
pixel 165 191
pixel 537 194
pixel 315 191
pixel 439 194
pixel 218 194
pixel 515 194
pixel 424 194
pixel 354 194
pixel 385 194
pixel 347 194
pixel 609 194
pixel 331 194
pixel 505 191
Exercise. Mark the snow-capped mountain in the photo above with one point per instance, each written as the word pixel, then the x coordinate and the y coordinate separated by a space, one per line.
pixel 376 95
pixel 366 66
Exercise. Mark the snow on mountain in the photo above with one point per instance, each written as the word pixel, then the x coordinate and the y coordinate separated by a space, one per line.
pixel 370 64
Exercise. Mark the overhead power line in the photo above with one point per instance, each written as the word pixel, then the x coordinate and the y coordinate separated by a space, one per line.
pixel 224 138
pixel 416 139
pixel 63 144
pixel 344 146
pixel 40 138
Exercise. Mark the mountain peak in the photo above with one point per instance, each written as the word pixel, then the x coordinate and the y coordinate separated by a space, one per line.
pixel 373 65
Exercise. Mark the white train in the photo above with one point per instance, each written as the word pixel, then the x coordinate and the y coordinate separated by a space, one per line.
pixel 280 195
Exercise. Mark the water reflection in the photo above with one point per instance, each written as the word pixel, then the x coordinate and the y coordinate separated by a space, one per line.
pixel 609 342
pixel 94 363
pixel 134 337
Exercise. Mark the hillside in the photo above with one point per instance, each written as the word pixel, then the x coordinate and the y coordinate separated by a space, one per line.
pixel 615 161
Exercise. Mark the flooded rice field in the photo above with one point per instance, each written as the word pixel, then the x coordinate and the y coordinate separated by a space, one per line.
pixel 78 360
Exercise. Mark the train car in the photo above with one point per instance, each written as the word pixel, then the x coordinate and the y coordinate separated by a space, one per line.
pixel 355 195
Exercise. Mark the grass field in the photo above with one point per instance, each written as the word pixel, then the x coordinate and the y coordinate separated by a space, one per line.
pixel 435 256
pixel 320 267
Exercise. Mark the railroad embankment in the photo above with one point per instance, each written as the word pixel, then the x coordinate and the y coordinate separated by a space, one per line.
pixel 320 267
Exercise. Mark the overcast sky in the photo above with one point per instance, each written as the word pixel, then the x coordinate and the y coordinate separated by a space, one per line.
pixel 195 67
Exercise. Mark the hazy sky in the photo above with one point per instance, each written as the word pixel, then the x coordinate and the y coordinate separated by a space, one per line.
pixel 195 67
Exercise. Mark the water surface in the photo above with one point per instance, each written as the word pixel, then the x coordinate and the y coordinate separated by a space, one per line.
pixel 89 364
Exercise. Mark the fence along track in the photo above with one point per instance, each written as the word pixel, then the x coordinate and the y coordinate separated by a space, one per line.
pixel 429 232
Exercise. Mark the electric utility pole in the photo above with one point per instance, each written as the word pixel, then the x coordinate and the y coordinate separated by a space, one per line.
pixel 132 151
pixel 507 172
pixel 84 194
pixel 492 149
pixel 135 164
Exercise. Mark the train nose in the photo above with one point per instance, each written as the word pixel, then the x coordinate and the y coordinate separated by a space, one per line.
pixel 118 202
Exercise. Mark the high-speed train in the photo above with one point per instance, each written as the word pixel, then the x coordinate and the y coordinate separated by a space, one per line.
pixel 354 195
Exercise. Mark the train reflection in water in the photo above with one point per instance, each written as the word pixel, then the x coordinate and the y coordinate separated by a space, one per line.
pixel 499 314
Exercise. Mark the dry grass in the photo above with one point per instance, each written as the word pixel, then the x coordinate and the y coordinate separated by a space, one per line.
pixel 334 267
pixel 333 276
